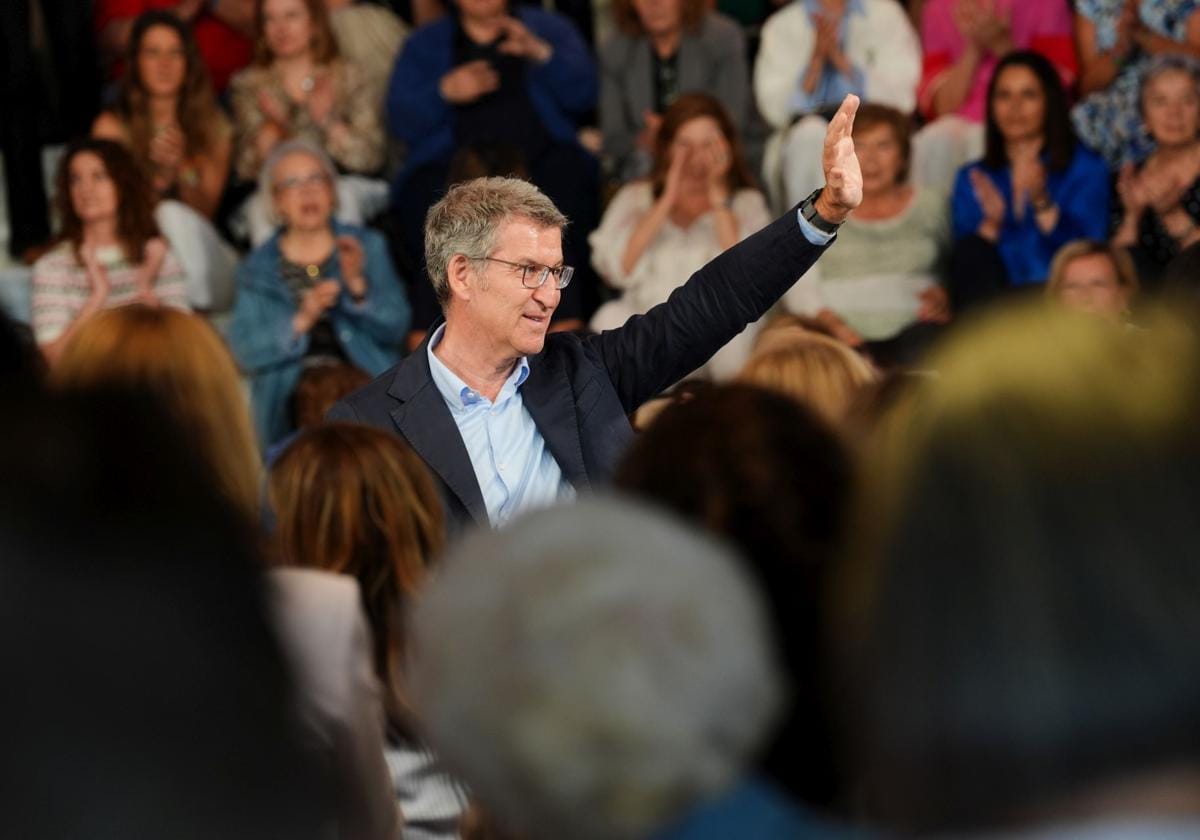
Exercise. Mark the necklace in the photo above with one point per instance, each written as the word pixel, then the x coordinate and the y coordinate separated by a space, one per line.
pixel 307 84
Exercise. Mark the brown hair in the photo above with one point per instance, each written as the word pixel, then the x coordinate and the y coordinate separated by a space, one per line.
pixel 357 501
pixel 182 360
pixel 871 115
pixel 686 108
pixel 196 107
pixel 1122 264
pixel 135 197
pixel 816 370
pixel 322 386
pixel 324 46
pixel 626 18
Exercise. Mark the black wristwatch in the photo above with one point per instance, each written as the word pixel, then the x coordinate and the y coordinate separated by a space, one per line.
pixel 808 209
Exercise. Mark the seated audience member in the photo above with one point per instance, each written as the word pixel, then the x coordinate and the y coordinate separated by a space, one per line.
pixel 882 286
pixel 110 251
pixel 128 572
pixel 1159 205
pixel 300 88
pixel 1029 561
pixel 1094 278
pixel 699 201
pixel 813 53
pixel 661 50
pixel 318 292
pixel 759 470
pixel 369 36
pixel 224 31
pixel 181 360
pixel 963 42
pixel 598 672
pixel 1117 41
pixel 1035 189
pixel 168 117
pixel 820 372
pixel 499 90
pixel 356 501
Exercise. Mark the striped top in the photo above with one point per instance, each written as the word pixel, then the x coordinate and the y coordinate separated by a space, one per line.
pixel 61 287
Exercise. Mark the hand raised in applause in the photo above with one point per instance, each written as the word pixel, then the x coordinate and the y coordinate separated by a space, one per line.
pixel 468 82
pixel 313 304
pixel 352 260
pixel 991 204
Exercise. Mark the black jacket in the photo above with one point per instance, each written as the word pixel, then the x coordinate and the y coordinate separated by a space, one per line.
pixel 581 391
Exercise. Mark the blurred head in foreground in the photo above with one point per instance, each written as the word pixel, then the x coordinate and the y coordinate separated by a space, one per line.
pixel 146 697
pixel 593 671
pixel 1027 605
pixel 774 480
pixel 185 364
pixel 816 370
pixel 358 501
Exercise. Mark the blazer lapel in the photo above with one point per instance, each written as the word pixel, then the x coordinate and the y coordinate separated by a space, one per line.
pixel 426 423
pixel 548 396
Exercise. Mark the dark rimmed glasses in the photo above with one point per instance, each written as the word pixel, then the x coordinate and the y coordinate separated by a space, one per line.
pixel 535 276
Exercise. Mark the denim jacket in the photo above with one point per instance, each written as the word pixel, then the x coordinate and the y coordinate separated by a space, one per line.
pixel 260 335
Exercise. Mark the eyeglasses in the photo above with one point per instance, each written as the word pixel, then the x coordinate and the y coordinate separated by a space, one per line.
pixel 535 276
pixel 297 181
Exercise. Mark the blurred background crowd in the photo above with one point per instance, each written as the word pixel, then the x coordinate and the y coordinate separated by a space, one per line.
pixel 913 555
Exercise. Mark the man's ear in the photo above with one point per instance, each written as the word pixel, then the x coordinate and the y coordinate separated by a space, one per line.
pixel 461 275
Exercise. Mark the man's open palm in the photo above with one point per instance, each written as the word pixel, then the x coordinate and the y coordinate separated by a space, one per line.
pixel 843 178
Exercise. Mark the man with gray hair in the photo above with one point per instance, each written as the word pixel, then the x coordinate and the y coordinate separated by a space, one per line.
pixel 508 418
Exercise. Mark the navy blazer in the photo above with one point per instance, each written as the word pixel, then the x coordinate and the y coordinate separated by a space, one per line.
pixel 581 390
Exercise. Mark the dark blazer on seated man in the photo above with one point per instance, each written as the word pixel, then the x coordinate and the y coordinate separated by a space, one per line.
pixel 509 418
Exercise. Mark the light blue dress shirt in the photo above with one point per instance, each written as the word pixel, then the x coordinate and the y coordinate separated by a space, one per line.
pixel 515 470
pixel 833 86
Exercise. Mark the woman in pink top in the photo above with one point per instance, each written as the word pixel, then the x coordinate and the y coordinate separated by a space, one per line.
pixel 962 40
pixel 110 250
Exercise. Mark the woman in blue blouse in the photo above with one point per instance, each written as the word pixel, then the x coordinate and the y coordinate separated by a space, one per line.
pixel 317 293
pixel 1035 189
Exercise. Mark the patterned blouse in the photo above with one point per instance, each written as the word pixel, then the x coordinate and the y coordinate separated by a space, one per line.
pixel 1109 121
pixel 355 104
pixel 61 287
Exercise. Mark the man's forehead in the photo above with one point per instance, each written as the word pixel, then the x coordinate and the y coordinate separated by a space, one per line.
pixel 522 238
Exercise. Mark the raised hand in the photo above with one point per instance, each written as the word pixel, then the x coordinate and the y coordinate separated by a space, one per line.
pixel 991 203
pixel 519 41
pixel 321 99
pixel 313 304
pixel 101 285
pixel 843 177
pixel 272 108
pixel 718 159
pixel 352 261
pixel 467 82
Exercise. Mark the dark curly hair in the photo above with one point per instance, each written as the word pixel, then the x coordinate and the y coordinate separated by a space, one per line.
pixel 135 197
pixel 196 109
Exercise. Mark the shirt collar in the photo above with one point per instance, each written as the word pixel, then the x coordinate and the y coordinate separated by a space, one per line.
pixel 853 7
pixel 458 394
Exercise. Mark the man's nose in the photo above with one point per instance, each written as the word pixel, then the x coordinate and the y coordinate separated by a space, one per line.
pixel 547 294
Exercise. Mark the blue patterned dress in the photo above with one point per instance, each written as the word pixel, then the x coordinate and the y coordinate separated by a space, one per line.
pixel 1109 121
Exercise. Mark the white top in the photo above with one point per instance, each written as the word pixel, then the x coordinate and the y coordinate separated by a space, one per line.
pixel 674 255
pixel 881 43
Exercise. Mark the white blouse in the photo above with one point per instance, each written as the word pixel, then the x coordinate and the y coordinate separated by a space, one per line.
pixel 674 254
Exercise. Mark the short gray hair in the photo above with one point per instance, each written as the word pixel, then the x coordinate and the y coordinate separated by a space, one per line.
pixel 266 178
pixel 468 217
pixel 593 671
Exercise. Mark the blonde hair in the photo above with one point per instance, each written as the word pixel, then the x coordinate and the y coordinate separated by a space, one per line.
pixel 1121 261
pixel 358 501
pixel 813 369
pixel 183 362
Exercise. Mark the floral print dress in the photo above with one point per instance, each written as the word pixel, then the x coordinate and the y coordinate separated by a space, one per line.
pixel 1108 120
